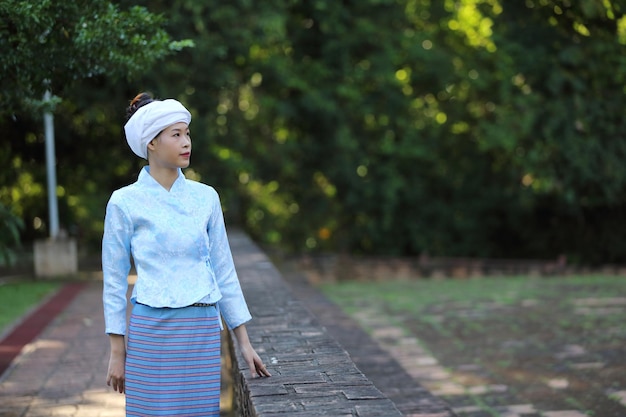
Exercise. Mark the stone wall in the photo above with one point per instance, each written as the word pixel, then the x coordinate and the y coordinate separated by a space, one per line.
pixel 330 268
pixel 312 375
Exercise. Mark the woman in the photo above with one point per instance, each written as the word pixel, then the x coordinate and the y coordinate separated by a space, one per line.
pixel 174 230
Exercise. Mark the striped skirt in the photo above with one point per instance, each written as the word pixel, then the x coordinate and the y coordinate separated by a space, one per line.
pixel 173 362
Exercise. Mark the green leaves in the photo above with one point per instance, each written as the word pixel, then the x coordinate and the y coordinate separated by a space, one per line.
pixel 468 127
pixel 120 43
pixel 49 45
pixel 10 228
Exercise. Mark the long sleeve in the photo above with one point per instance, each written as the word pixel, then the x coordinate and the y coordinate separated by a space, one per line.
pixel 115 266
pixel 233 305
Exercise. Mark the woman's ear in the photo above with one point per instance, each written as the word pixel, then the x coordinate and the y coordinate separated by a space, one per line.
pixel 151 144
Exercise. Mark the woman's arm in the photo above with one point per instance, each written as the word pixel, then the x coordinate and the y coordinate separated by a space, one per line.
pixel 232 305
pixel 118 230
pixel 249 354
pixel 115 268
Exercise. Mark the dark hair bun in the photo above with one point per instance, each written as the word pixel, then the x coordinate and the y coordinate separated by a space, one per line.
pixel 139 101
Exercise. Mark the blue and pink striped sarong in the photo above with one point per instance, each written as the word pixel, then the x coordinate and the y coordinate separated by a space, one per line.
pixel 173 362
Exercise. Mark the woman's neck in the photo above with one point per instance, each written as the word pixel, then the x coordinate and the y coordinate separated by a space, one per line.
pixel 164 176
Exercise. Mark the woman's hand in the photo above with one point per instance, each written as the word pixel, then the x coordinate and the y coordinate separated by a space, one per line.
pixel 257 368
pixel 117 362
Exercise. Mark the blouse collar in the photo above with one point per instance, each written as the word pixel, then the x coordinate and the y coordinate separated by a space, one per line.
pixel 146 180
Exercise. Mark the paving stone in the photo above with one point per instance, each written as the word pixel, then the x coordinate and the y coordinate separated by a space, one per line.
pixel 269 390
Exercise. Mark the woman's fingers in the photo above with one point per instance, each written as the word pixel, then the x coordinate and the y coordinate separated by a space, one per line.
pixel 259 367
pixel 116 383
pixel 262 371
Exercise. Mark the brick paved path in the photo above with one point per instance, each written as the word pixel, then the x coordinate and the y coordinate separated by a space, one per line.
pixel 426 370
pixel 378 365
pixel 398 365
pixel 62 372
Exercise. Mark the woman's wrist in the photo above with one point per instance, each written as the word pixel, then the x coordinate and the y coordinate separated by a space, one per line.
pixel 118 346
pixel 241 334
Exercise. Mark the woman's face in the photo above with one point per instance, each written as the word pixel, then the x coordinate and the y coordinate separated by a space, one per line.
pixel 172 147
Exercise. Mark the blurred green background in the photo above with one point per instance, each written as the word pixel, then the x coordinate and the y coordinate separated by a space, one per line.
pixel 477 128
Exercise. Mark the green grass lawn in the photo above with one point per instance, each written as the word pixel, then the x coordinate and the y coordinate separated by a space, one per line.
pixel 17 298
pixel 418 294
pixel 521 332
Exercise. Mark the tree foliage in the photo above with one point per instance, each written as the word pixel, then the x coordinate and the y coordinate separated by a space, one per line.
pixel 10 227
pixel 49 44
pixel 454 127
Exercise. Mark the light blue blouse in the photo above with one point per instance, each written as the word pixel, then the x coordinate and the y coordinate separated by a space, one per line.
pixel 179 246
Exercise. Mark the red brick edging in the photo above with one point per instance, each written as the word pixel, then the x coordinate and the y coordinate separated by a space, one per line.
pixel 28 329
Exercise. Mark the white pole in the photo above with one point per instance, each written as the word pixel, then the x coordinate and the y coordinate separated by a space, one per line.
pixel 53 208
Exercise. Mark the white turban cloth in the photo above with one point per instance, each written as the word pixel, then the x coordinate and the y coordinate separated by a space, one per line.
pixel 150 120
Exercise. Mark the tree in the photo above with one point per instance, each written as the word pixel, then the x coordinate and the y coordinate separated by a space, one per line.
pixel 456 127
pixel 557 122
pixel 47 45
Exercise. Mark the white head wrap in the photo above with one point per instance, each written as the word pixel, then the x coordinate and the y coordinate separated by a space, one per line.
pixel 149 120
